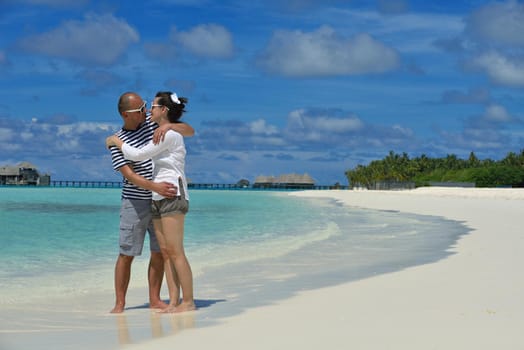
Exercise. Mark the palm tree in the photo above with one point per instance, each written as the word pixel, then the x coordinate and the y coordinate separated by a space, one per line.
pixel 473 161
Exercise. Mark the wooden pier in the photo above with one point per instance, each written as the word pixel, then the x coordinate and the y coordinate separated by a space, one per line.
pixel 200 186
pixel 93 184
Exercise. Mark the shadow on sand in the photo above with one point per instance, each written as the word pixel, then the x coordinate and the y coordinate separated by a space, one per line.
pixel 199 303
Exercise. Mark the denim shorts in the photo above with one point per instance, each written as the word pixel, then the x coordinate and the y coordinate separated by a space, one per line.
pixel 167 206
pixel 135 220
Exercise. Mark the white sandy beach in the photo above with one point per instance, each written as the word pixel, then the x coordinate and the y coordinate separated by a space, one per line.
pixel 472 299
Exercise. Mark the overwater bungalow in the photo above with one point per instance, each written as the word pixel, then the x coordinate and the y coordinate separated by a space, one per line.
pixel 288 181
pixel 23 173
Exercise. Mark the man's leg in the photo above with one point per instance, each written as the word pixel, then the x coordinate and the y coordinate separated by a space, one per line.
pixel 133 226
pixel 155 275
pixel 122 276
pixel 155 272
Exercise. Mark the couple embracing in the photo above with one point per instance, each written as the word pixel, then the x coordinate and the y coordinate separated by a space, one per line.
pixel 149 152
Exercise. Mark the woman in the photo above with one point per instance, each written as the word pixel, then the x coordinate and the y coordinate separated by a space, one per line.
pixel 168 158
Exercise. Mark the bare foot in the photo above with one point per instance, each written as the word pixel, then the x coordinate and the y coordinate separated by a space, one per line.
pixel 118 309
pixel 158 305
pixel 185 306
pixel 169 310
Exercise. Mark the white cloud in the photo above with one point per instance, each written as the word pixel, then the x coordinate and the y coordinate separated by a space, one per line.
pixel 339 125
pixel 98 39
pixel 268 141
pixel 301 120
pixel 261 127
pixel 499 23
pixel 5 134
pixel 26 136
pixel 206 40
pixel 405 132
pixel 497 113
pixel 10 147
pixel 310 128
pixel 84 128
pixel 41 140
pixel 501 69
pixel 323 53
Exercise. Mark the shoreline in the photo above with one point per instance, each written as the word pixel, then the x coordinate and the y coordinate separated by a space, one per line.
pixel 454 293
pixel 471 299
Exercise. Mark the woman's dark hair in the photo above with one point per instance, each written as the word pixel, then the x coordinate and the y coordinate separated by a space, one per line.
pixel 169 99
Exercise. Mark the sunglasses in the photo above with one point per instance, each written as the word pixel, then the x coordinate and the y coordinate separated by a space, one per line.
pixel 153 106
pixel 141 109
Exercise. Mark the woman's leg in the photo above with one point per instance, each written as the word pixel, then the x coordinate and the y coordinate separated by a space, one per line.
pixel 174 294
pixel 173 232
pixel 173 284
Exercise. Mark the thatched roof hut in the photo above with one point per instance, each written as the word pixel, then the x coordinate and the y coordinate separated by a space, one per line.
pixel 23 173
pixel 285 181
pixel 262 179
pixel 295 179
pixel 9 170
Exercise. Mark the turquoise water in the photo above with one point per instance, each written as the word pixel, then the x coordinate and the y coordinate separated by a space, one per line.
pixel 64 241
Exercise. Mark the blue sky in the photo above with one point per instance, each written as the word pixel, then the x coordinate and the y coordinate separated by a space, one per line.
pixel 274 87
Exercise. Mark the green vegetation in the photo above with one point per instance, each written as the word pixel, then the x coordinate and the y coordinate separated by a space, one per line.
pixel 423 170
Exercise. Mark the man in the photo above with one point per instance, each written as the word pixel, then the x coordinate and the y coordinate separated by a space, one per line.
pixel 135 212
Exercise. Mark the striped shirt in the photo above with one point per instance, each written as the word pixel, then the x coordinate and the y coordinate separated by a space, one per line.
pixel 136 138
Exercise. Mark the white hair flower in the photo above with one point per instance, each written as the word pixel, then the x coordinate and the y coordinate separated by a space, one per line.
pixel 175 99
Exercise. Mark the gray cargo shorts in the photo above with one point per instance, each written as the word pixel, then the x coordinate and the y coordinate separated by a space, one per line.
pixel 135 220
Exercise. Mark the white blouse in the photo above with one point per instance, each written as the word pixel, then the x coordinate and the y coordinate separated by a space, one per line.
pixel 168 160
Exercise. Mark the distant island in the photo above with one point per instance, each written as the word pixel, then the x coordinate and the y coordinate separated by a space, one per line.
pixel 400 171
